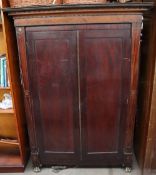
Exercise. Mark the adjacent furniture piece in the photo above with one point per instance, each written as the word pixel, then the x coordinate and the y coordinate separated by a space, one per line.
pixel 2 49
pixel 79 69
pixel 13 134
pixel 145 130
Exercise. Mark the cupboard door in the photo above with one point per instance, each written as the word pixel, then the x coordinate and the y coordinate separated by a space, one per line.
pixel 105 88
pixel 52 69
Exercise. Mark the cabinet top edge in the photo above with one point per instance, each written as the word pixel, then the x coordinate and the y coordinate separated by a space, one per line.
pixel 137 7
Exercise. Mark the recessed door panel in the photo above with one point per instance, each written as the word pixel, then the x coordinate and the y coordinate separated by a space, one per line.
pixel 53 75
pixel 105 85
pixel 80 85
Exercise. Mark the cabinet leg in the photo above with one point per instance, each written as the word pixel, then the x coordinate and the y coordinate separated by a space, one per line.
pixel 37 169
pixel 57 169
pixel 36 160
pixel 128 169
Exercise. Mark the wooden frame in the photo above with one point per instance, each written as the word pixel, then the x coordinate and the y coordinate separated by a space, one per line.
pixel 13 151
pixel 145 141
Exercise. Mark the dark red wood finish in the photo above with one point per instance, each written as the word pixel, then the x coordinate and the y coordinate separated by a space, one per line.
pixel 95 64
pixel 80 75
pixel 105 63
pixel 55 94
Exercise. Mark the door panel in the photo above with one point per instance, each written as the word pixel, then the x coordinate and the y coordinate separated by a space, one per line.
pixel 101 80
pixel 105 86
pixel 52 64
